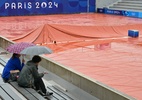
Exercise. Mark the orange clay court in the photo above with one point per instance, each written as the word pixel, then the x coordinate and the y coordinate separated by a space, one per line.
pixel 96 45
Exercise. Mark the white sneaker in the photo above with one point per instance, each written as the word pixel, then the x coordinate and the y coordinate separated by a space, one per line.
pixel 49 93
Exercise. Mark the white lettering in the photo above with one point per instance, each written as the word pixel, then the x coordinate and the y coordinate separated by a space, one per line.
pixel 56 4
pixel 29 5
pixel 19 5
pixel 6 5
pixel 25 6
pixel 37 5
pixel 13 6
pixel 116 12
pixel 43 5
pixel 50 4
pixel 110 11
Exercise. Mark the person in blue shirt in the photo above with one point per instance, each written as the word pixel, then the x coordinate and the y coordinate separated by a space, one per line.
pixel 14 63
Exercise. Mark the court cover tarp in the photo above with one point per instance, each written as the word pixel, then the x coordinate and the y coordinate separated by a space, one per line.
pixel 73 36
pixel 61 33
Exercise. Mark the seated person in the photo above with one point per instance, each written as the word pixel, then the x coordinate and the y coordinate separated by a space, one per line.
pixel 29 76
pixel 14 63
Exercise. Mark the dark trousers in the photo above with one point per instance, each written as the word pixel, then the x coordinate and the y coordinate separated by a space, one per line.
pixel 5 80
pixel 39 84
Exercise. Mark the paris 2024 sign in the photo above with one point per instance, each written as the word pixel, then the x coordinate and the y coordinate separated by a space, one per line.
pixel 37 7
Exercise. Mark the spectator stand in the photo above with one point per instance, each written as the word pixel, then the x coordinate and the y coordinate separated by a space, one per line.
pixel 11 91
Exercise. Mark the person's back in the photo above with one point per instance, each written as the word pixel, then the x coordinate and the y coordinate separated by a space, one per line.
pixel 29 76
pixel 13 63
pixel 25 78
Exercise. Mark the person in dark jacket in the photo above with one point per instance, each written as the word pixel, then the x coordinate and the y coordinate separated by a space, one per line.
pixel 14 63
pixel 29 76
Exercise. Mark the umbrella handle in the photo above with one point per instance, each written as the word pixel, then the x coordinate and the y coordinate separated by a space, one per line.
pixel 22 56
pixel 23 60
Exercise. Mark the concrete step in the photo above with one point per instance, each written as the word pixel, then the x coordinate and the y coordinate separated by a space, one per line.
pixel 131 1
pixel 7 92
pixel 59 92
pixel 129 4
pixel 126 8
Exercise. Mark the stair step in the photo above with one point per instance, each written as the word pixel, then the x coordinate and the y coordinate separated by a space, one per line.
pixel 128 9
pixel 129 4
pixel 131 0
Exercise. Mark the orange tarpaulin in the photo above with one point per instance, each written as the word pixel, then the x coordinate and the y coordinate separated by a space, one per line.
pixel 61 33
pixel 63 37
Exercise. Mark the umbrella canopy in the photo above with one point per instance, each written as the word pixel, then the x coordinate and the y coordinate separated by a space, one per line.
pixel 36 50
pixel 18 47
